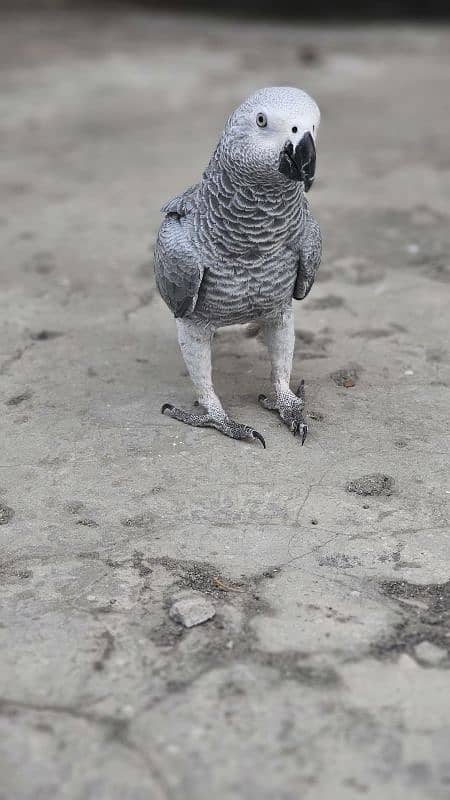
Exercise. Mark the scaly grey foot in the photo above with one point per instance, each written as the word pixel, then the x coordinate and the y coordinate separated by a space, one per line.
pixel 290 407
pixel 221 423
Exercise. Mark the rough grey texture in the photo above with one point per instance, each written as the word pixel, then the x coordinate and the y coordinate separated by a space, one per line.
pixel 306 684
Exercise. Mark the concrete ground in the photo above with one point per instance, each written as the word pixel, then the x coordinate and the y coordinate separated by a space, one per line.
pixel 326 669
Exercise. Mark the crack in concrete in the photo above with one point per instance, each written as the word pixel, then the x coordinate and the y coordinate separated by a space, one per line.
pixel 116 729
pixel 17 355
pixel 53 708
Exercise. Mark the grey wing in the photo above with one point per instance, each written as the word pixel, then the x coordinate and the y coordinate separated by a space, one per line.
pixel 177 270
pixel 309 258
pixel 181 204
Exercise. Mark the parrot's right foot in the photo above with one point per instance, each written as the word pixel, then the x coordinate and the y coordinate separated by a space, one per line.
pixel 221 423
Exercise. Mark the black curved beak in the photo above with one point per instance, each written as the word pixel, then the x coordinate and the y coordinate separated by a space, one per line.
pixel 299 164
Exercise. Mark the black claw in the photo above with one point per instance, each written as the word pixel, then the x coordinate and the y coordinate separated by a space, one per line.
pixel 165 407
pixel 301 427
pixel 257 435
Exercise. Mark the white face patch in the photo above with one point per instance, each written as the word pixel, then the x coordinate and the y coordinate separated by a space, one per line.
pixel 289 124
pixel 260 128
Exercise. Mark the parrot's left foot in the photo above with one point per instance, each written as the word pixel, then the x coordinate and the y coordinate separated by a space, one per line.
pixel 290 407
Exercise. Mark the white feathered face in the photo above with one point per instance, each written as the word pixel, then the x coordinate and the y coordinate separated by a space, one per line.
pixel 272 136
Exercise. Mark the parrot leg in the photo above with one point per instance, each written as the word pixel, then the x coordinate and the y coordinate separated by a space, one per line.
pixel 279 335
pixel 195 344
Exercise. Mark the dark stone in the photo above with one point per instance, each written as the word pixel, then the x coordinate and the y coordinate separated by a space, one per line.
pixel 6 514
pixel 372 485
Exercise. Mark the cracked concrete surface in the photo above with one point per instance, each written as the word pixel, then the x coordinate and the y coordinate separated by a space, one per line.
pixel 326 670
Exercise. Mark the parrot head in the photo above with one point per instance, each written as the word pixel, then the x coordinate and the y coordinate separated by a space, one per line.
pixel 272 137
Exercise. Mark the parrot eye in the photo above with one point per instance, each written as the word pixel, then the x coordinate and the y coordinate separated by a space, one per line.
pixel 261 120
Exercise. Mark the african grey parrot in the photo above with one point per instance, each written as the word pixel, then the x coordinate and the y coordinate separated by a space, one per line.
pixel 240 244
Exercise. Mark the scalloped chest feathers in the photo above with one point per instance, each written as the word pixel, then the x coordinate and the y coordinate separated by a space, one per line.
pixel 246 241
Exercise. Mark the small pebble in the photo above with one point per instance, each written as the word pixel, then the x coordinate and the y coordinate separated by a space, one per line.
pixel 190 611
pixel 430 653
pixel 346 377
